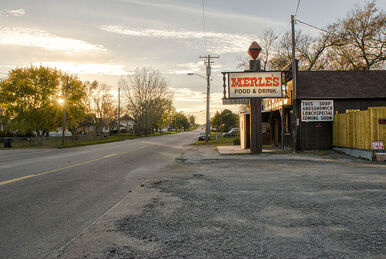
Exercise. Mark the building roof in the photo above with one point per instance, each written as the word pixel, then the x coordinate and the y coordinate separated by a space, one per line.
pixel 341 84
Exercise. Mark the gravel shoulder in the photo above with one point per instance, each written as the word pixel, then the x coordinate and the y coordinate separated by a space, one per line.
pixel 211 205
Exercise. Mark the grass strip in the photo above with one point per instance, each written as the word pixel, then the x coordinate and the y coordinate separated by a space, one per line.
pixel 111 139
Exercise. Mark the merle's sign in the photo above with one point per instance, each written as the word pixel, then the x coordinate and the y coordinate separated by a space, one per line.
pixel 317 110
pixel 254 84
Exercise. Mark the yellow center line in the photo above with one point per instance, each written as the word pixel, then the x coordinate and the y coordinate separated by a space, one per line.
pixel 53 170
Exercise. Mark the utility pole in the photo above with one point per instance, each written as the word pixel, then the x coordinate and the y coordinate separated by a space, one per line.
pixel 294 87
pixel 119 113
pixel 65 111
pixel 208 62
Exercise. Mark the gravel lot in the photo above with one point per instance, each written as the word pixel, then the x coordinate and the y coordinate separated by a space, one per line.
pixel 279 206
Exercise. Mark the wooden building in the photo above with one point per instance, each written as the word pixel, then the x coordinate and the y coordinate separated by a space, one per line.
pixel 347 90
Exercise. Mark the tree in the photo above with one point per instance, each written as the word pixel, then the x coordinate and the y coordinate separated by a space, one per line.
pixel 268 38
pixel 282 54
pixel 30 99
pixel 310 51
pixel 163 112
pixel 145 92
pixel 181 121
pixel 103 109
pixel 224 120
pixel 358 40
pixel 192 121
pixel 76 103
pixel 90 118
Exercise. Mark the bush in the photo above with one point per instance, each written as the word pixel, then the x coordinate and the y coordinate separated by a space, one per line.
pixel 236 141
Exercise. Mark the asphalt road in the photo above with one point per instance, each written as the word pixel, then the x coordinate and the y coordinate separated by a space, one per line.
pixel 48 196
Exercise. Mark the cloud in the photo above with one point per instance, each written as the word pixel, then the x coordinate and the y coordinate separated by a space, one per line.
pixel 30 37
pixel 183 69
pixel 216 42
pixel 193 102
pixel 192 67
pixel 186 95
pixel 94 69
pixel 198 11
pixel 16 12
pixel 6 67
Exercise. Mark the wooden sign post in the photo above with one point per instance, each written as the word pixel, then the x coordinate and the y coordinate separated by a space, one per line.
pixel 256 121
pixel 254 84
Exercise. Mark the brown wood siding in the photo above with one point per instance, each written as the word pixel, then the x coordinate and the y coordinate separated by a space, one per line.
pixel 316 135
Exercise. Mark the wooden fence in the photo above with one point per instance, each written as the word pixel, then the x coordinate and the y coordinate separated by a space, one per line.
pixel 358 129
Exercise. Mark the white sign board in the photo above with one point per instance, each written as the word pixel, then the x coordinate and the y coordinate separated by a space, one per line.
pixel 254 84
pixel 317 110
pixel 235 101
pixel 377 145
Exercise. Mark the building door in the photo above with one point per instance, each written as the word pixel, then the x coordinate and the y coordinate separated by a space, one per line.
pixel 276 127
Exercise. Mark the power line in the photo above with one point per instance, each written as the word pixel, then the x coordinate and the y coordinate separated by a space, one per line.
pixel 204 23
pixel 325 31
pixel 312 26
pixel 297 8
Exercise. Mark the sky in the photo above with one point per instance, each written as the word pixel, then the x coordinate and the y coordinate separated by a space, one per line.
pixel 106 39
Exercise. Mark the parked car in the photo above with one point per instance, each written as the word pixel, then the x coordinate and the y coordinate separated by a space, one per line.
pixel 232 133
pixel 202 136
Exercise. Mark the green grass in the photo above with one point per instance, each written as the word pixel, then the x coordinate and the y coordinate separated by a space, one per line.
pixel 220 141
pixel 55 142
pixel 111 139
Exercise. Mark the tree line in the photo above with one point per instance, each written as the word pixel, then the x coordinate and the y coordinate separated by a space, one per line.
pixel 31 103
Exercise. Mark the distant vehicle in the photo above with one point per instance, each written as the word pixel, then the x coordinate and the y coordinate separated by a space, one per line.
pixel 232 133
pixel 202 136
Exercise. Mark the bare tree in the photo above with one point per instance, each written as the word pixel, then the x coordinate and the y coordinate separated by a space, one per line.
pixel 102 107
pixel 268 38
pixel 359 39
pixel 144 92
pixel 312 52
pixel 282 53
